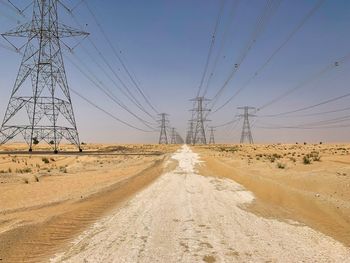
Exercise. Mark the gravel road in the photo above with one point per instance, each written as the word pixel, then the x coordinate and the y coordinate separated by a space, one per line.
pixel 186 217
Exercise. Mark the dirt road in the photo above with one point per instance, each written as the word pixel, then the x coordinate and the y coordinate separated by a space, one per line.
pixel 186 217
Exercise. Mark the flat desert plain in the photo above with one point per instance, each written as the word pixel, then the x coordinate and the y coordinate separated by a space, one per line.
pixel 173 203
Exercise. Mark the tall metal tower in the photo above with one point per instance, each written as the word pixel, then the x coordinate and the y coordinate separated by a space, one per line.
pixel 211 138
pixel 173 136
pixel 246 130
pixel 189 135
pixel 199 120
pixel 163 138
pixel 40 107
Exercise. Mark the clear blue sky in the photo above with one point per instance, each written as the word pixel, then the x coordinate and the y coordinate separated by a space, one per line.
pixel 165 44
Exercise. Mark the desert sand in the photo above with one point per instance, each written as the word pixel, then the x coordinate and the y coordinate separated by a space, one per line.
pixel 186 217
pixel 150 203
pixel 47 199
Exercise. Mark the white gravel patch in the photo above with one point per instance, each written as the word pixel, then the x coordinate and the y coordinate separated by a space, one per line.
pixel 186 217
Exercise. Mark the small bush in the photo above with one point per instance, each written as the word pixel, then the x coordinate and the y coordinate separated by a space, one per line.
pixel 292 159
pixel 45 160
pixel 281 165
pixel 306 160
pixel 26 170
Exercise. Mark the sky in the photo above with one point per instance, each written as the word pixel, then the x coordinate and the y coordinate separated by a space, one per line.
pixel 165 44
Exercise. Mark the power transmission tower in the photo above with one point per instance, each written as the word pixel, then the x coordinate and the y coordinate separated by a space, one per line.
pixel 189 135
pixel 163 138
pixel 246 130
pixel 173 136
pixel 40 107
pixel 211 138
pixel 199 130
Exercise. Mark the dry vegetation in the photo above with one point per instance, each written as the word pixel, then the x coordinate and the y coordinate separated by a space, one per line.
pixel 39 191
pixel 306 183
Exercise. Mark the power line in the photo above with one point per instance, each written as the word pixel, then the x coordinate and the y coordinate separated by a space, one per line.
pixel 307 81
pixel 227 123
pixel 212 43
pixel 275 52
pixel 119 57
pixel 108 113
pixel 270 8
pixel 130 96
pixel 309 125
pixel 106 91
pixel 309 107
pixel 223 42
pixel 109 77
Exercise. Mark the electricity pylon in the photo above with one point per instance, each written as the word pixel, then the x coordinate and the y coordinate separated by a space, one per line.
pixel 246 130
pixel 40 107
pixel 211 138
pixel 199 120
pixel 163 138
pixel 173 136
pixel 189 135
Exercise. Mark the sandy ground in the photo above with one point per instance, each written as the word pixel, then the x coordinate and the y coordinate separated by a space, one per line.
pixel 47 200
pixel 186 217
pixel 315 194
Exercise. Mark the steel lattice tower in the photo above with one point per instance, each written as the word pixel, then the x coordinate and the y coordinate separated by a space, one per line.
pixel 189 135
pixel 173 136
pixel 199 130
pixel 246 130
pixel 211 138
pixel 40 107
pixel 163 138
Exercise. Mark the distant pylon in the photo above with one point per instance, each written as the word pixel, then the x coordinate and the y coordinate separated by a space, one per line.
pixel 173 136
pixel 163 138
pixel 189 135
pixel 199 120
pixel 40 107
pixel 246 130
pixel 211 138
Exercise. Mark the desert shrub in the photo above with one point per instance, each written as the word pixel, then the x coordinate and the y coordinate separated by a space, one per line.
pixel 281 165
pixel 45 160
pixel 36 178
pixel 63 169
pixel 35 141
pixel 228 149
pixel 26 170
pixel 314 156
pixel 277 156
pixel 306 160
pixel 26 181
pixel 292 159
